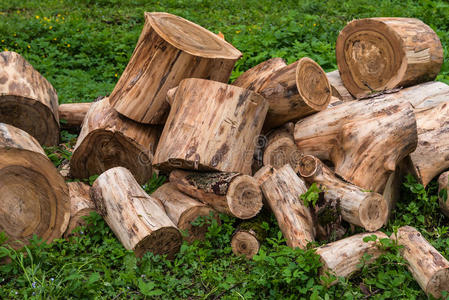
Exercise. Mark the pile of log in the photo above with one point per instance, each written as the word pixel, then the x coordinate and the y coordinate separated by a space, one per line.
pixel 255 145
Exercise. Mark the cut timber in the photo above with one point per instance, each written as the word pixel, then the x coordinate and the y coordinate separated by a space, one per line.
pixel 71 115
pixel 263 174
pixel 380 54
pixel 34 199
pixel 80 205
pixel 364 140
pixel 338 88
pixel 281 148
pixel 108 140
pixel 27 100
pixel 171 95
pixel 295 91
pixel 212 126
pixel 282 191
pixel 229 193
pixel 429 268
pixel 139 221
pixel 443 187
pixel 359 207
pixel 245 242
pixel 169 49
pixel 183 210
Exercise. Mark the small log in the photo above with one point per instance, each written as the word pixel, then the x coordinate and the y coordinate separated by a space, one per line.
pixel 138 220
pixel 338 88
pixel 183 210
pixel 282 191
pixel 171 95
pixel 80 205
pixel 27 100
pixel 34 199
pixel 230 193
pixel 212 126
pixel 71 115
pixel 245 242
pixel 108 140
pixel 378 54
pixel 281 148
pixel 295 91
pixel 443 197
pixel 429 268
pixel 169 49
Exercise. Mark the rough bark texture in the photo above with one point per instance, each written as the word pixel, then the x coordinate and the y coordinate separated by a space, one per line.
pixel 80 205
pixel 108 140
pixel 27 100
pixel 429 268
pixel 443 187
pixel 384 53
pixel 139 221
pixel 280 147
pixel 338 88
pixel 169 49
pixel 71 115
pixel 212 126
pixel 34 199
pixel 229 193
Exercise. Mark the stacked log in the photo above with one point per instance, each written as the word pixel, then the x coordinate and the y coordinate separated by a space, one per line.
pixel 443 186
pixel 339 90
pixel 280 147
pixel 71 115
pixel 81 206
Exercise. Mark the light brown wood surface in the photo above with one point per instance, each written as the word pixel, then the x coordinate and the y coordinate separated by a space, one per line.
pixel 80 205
pixel 71 115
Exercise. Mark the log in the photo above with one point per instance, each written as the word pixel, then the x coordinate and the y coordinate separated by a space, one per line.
pixel 443 186
pixel 71 115
pixel 169 49
pixel 183 210
pixel 295 91
pixel 282 191
pixel 138 220
pixel 34 199
pixel 429 268
pixel 212 126
pixel 108 140
pixel 281 148
pixel 357 206
pixel 80 205
pixel 378 54
pixel 227 192
pixel 245 242
pixel 27 100
pixel 337 87
pixel 364 140
pixel 171 95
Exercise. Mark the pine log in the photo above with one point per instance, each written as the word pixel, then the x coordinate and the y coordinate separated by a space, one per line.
pixel 443 187
pixel 71 115
pixel 183 210
pixel 108 140
pixel 34 199
pixel 338 88
pixel 212 126
pixel 169 49
pixel 282 191
pixel 295 91
pixel 380 54
pixel 227 192
pixel 280 147
pixel 429 268
pixel 80 205
pixel 138 220
pixel 27 100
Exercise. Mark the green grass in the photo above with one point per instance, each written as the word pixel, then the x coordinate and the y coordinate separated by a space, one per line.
pixel 82 48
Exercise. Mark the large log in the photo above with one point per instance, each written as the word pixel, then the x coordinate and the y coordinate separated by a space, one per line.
pixel 379 54
pixel 212 126
pixel 27 100
pixel 71 115
pixel 429 268
pixel 295 91
pixel 183 210
pixel 227 192
pixel 280 147
pixel 169 49
pixel 443 196
pixel 80 205
pixel 338 88
pixel 108 140
pixel 34 199
pixel 138 220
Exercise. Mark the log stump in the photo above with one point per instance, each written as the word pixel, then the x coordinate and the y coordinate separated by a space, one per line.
pixel 443 187
pixel 338 88
pixel 71 115
pixel 80 205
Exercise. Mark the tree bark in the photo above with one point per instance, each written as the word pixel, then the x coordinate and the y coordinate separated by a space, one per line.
pixel 338 88
pixel 27 100
pixel 80 205
pixel 138 220
pixel 280 147
pixel 378 54
pixel 443 186
pixel 429 268
pixel 108 140
pixel 71 115
pixel 34 199
pixel 229 193
pixel 169 49
pixel 212 126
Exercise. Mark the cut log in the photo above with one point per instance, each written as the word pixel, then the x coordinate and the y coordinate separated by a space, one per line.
pixel 34 199
pixel 229 193
pixel 245 242
pixel 357 206
pixel 80 205
pixel 282 191
pixel 443 187
pixel 27 100
pixel 363 139
pixel 380 54
pixel 429 268
pixel 281 148
pixel 171 95
pixel 183 210
pixel 71 115
pixel 295 91
pixel 108 140
pixel 338 88
pixel 263 174
pixel 169 49
pixel 212 126
pixel 138 220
